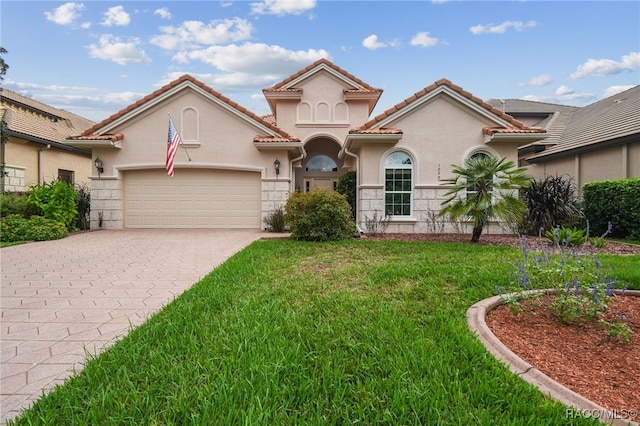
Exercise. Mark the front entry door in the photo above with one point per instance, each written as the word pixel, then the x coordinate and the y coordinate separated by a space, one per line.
pixel 321 183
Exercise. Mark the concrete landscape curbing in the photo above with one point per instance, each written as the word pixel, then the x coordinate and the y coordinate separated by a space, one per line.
pixel 476 321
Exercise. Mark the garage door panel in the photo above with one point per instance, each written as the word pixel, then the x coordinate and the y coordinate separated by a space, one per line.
pixel 192 199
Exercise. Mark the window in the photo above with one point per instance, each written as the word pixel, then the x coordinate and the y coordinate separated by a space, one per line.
pixel 398 184
pixel 321 163
pixel 473 189
pixel 65 176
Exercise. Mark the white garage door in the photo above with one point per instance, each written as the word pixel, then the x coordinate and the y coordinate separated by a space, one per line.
pixel 192 199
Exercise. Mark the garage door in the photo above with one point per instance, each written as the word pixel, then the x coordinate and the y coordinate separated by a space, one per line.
pixel 192 199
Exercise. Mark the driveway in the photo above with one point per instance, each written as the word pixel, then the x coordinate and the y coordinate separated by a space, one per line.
pixel 64 299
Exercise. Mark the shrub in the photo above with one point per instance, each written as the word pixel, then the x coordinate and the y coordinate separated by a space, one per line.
pixel 83 205
pixel 582 287
pixel 347 186
pixel 43 229
pixel 376 225
pixel 615 201
pixel 319 215
pixel 56 200
pixel 16 228
pixel 550 202
pixel 567 236
pixel 16 204
pixel 275 220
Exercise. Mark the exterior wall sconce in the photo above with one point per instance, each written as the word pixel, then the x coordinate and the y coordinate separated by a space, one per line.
pixel 99 166
pixel 276 164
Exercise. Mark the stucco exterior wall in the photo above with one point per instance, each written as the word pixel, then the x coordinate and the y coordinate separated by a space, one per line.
pixel 24 155
pixel 437 135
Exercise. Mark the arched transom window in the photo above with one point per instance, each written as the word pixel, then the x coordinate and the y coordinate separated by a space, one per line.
pixel 398 184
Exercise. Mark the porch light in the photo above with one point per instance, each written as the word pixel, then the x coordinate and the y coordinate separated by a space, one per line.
pixel 99 166
pixel 276 164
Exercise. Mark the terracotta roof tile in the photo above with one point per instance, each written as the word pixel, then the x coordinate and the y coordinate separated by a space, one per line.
pixel 260 138
pixel 376 131
pixel 106 137
pixel 492 130
pixel 314 65
pixel 173 84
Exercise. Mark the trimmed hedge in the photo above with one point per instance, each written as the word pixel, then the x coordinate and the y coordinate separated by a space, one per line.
pixel 15 228
pixel 319 215
pixel 347 186
pixel 615 201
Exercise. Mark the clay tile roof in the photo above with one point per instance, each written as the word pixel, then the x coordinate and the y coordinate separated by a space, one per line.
pixel 331 65
pixel 260 138
pixel 376 131
pixel 106 137
pixel 167 87
pixel 515 124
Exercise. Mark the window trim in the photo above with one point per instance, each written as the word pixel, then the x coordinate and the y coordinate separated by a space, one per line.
pixel 410 192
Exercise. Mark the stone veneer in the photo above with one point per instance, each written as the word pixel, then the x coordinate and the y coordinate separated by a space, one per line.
pixel 426 206
pixel 14 180
pixel 275 193
pixel 106 200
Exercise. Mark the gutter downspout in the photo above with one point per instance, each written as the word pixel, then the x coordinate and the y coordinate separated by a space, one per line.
pixel 303 154
pixel 40 173
pixel 358 177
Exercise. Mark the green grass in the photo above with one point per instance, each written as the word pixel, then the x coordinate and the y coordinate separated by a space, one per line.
pixel 288 332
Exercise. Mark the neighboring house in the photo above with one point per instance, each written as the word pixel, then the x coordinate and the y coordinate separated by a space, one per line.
pixel 600 141
pixel 237 167
pixel 35 151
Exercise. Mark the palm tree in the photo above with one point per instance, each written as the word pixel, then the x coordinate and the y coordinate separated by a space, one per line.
pixel 485 187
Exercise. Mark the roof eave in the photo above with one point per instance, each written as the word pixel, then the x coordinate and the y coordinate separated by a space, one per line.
pixel 94 143
pixel 515 137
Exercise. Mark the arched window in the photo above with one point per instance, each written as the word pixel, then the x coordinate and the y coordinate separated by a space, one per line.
pixel 398 184
pixel 321 163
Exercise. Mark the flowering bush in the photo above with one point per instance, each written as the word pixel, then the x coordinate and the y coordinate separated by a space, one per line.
pixel 582 287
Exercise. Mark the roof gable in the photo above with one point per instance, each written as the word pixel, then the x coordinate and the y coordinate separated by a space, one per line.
pixel 185 82
pixel 504 122
pixel 354 87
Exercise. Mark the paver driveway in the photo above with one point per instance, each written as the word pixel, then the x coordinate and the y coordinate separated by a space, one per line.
pixel 63 299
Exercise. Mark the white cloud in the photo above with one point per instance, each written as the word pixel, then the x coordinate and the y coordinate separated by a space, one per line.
pixel 539 80
pixel 252 58
pixel 423 39
pixel 65 14
pixel 564 91
pixel 192 34
pixel 501 28
pixel 372 43
pixel 163 13
pixel 117 16
pixel 602 67
pixel 112 48
pixel 282 7
pixel 614 90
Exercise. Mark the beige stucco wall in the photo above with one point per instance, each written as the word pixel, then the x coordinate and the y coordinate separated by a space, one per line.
pixel 617 162
pixel 24 155
pixel 437 135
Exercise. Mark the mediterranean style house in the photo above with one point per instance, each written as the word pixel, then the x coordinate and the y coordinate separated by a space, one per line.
pixel 35 151
pixel 235 167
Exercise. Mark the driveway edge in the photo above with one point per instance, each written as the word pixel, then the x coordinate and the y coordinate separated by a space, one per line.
pixel 548 387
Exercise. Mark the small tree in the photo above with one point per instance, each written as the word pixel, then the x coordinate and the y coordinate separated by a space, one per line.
pixel 485 187
pixel 347 186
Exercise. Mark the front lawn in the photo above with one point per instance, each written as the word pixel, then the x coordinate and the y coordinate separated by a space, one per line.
pixel 289 332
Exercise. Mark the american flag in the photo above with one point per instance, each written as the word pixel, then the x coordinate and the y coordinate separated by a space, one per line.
pixel 173 141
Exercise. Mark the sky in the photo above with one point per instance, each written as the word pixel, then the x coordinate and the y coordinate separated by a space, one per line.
pixel 94 58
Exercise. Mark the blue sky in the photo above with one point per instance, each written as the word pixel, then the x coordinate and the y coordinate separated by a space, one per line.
pixel 94 58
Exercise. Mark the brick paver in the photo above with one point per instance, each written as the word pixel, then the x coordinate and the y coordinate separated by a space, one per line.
pixel 61 300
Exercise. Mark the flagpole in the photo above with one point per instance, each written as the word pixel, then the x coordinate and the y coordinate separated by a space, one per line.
pixel 181 143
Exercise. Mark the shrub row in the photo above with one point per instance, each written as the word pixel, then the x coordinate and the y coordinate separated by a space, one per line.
pixel 615 201
pixel 37 228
